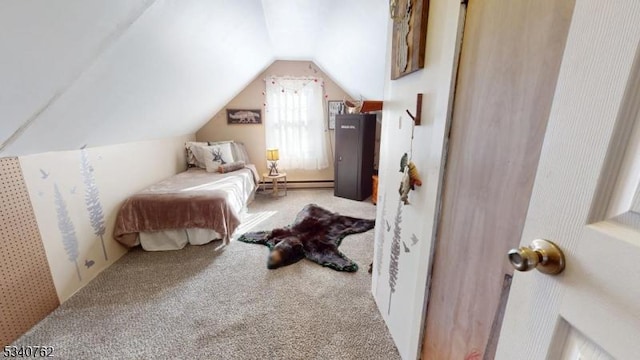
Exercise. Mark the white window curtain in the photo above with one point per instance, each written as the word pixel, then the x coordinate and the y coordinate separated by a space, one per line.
pixel 294 122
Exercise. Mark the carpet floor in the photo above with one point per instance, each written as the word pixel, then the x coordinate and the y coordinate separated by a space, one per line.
pixel 206 304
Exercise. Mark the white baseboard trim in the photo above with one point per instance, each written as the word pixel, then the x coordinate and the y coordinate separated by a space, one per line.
pixel 303 185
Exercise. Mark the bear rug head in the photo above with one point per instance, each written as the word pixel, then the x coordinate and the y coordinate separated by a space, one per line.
pixel 315 234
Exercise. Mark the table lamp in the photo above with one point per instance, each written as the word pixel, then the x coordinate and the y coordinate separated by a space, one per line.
pixel 273 157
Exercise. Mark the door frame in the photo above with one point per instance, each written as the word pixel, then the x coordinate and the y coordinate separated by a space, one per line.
pixel 445 152
pixel 495 329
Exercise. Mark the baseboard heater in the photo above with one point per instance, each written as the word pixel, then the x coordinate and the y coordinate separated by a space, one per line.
pixel 304 184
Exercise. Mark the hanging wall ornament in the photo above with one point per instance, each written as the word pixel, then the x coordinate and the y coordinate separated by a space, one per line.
pixel 414 177
pixel 404 160
pixel 410 177
pixel 405 187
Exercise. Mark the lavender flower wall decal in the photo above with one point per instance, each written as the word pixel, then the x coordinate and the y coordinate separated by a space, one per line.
pixel 395 253
pixel 92 199
pixel 381 235
pixel 67 230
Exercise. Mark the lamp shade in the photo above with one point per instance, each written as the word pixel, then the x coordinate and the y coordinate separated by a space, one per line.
pixel 272 155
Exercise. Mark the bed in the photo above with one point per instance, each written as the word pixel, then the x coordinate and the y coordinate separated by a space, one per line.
pixel 195 207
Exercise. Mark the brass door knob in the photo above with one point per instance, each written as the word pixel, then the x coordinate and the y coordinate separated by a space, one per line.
pixel 542 255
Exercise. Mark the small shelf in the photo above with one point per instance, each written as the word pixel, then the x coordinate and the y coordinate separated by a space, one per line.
pixel 371 105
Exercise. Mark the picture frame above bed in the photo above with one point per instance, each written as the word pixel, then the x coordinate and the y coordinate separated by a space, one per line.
pixel 244 116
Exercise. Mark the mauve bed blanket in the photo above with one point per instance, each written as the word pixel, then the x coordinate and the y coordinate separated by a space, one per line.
pixel 191 199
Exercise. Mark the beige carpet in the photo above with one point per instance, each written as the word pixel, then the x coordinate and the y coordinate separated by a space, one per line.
pixel 197 303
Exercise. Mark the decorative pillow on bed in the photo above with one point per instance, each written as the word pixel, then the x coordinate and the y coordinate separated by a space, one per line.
pixel 234 166
pixel 240 152
pixel 215 155
pixel 191 147
pixel 212 143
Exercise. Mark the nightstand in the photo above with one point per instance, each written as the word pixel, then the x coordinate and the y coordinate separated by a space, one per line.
pixel 275 179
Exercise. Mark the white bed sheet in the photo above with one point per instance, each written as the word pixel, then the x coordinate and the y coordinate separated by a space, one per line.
pixel 176 239
pixel 240 186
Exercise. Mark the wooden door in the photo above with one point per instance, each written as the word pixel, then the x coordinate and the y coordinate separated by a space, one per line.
pixel 510 58
pixel 586 199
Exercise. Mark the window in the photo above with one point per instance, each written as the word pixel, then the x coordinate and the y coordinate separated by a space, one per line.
pixel 294 122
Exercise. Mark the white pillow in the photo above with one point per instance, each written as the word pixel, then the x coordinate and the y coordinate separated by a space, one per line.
pixel 216 155
pixel 240 152
pixel 211 143
pixel 191 147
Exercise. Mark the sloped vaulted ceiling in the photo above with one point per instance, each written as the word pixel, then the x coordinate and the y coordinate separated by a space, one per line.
pixel 346 38
pixel 76 72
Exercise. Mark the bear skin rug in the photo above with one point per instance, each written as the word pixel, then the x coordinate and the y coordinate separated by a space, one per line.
pixel 315 234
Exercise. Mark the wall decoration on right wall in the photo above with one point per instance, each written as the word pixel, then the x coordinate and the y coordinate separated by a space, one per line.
pixel 409 35
pixel 394 256
pixel 381 234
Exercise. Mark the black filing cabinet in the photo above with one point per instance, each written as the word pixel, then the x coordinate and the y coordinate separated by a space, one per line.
pixel 355 146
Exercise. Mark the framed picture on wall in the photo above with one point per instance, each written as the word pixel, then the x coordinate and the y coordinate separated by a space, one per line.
pixel 409 36
pixel 241 116
pixel 334 107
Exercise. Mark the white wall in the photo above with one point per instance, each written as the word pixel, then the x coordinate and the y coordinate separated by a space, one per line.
pixel 108 176
pixel 352 46
pixel 345 38
pixel 104 72
pixel 404 315
pixel 47 44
